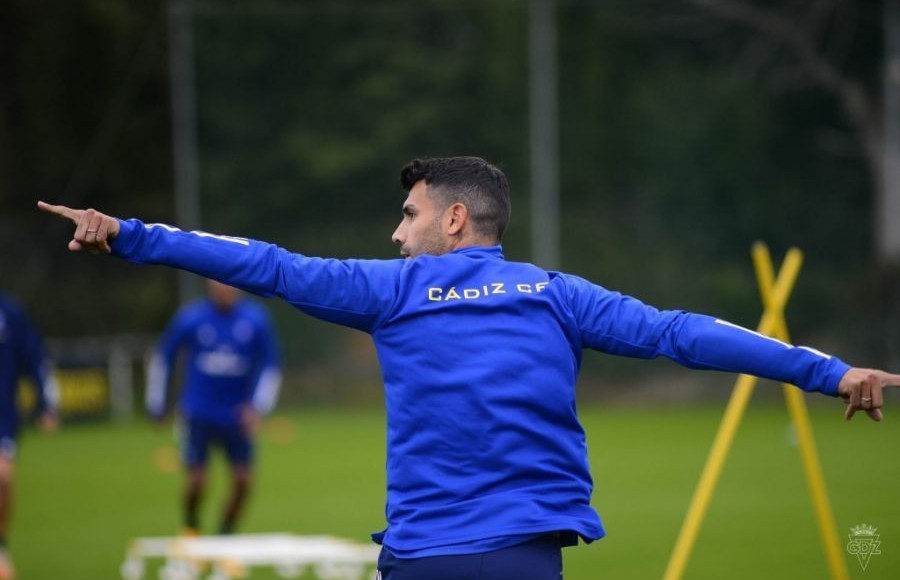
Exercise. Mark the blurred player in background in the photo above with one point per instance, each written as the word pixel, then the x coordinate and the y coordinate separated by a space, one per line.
pixel 22 355
pixel 231 377
pixel 487 467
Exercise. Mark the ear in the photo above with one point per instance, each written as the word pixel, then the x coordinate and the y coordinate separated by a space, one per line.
pixel 457 216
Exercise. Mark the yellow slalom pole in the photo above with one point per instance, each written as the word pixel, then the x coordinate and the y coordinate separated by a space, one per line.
pixel 737 404
pixel 803 426
pixel 684 545
pixel 816 482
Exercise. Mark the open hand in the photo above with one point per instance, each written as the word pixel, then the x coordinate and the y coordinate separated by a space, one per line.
pixel 49 421
pixel 250 420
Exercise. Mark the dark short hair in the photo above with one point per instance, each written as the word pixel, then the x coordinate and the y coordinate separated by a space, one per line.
pixel 471 181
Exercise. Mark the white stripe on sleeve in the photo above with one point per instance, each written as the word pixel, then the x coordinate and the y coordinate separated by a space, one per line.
pixel 267 390
pixel 155 397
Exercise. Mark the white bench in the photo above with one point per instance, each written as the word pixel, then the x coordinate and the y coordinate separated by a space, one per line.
pixel 226 557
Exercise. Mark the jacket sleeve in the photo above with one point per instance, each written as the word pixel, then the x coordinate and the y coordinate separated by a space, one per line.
pixel 355 293
pixel 159 370
pixel 267 382
pixel 618 324
pixel 37 365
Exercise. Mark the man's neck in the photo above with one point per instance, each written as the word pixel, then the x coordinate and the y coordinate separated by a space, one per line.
pixel 472 242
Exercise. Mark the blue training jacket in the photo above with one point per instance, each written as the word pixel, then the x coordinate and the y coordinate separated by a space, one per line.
pixel 22 354
pixel 231 360
pixel 479 358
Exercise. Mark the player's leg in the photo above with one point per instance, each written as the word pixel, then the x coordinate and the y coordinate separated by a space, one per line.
pixel 7 468
pixel 240 449
pixel 539 559
pixel 241 476
pixel 195 453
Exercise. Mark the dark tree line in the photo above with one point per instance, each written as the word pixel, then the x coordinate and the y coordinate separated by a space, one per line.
pixel 686 133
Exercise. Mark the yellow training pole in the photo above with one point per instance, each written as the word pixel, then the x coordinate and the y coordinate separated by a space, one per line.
pixel 740 396
pixel 687 537
pixel 800 416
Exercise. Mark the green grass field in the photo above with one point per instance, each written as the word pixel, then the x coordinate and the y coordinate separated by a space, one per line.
pixel 83 492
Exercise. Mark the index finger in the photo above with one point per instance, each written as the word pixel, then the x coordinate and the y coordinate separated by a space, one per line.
pixel 60 210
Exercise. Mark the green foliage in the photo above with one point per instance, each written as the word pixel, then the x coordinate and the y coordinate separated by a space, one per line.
pixel 676 154
pixel 306 116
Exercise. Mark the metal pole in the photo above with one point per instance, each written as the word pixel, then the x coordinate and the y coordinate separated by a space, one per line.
pixel 544 133
pixel 888 206
pixel 121 385
pixel 888 231
pixel 184 132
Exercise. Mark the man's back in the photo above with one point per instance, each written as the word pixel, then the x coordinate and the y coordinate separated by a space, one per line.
pixel 484 353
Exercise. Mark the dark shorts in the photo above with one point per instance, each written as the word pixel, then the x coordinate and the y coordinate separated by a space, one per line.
pixel 539 559
pixel 199 436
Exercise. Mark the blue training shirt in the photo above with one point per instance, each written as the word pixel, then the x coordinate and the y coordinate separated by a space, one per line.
pixel 22 354
pixel 231 360
pixel 479 358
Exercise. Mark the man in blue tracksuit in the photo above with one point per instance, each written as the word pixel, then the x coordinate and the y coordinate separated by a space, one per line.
pixel 22 355
pixel 231 377
pixel 487 473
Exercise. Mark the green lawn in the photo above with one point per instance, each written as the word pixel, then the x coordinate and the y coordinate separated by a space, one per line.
pixel 83 492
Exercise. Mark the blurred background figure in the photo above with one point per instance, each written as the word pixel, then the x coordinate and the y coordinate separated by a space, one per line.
pixel 22 355
pixel 230 376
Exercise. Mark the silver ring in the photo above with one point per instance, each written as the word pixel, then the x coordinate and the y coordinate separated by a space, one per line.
pixel 92 231
pixel 867 398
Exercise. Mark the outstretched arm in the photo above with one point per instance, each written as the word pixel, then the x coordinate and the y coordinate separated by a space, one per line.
pixel 621 325
pixel 355 293
pixel 862 390
pixel 93 230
